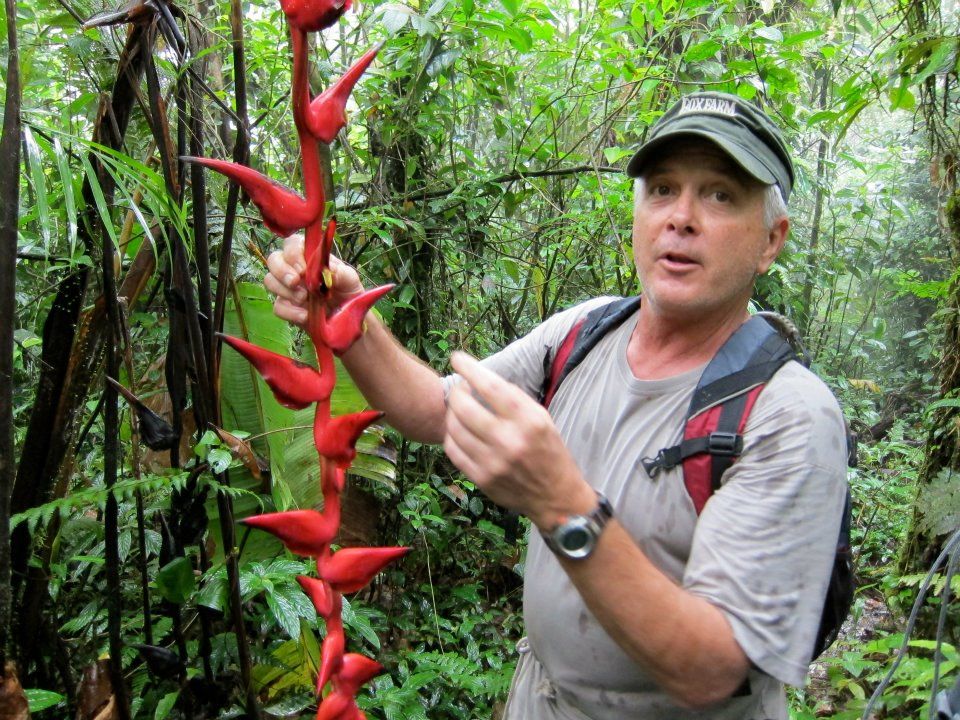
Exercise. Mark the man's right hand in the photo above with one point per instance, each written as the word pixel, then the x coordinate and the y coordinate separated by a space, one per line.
pixel 285 280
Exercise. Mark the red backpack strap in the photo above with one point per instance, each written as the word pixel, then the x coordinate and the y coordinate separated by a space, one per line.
pixel 580 340
pixel 560 362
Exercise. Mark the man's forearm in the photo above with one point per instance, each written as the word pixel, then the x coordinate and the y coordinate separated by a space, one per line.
pixel 683 641
pixel 395 381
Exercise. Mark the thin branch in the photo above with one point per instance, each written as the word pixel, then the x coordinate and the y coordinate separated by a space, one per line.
pixel 9 206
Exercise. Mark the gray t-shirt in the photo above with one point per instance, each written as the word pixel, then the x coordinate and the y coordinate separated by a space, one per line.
pixel 761 551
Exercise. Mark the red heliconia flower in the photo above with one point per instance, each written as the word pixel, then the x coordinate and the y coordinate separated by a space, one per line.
pixel 313 15
pixel 304 532
pixel 356 670
pixel 317 255
pixel 320 594
pixel 295 384
pixel 327 114
pixel 284 212
pixel 351 569
pixel 336 438
pixel 331 652
pixel 345 327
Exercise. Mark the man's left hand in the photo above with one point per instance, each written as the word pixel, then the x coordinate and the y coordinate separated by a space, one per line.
pixel 507 444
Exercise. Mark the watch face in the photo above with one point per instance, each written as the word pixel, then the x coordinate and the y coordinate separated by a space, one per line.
pixel 575 539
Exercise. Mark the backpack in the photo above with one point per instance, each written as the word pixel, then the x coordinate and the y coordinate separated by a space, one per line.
pixel 718 412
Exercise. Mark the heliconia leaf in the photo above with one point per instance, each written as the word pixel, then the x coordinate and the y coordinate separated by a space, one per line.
pixel 356 670
pixel 351 569
pixel 284 211
pixel 320 594
pixel 327 115
pixel 344 328
pixel 304 532
pixel 331 652
pixel 313 15
pixel 295 384
pixel 336 438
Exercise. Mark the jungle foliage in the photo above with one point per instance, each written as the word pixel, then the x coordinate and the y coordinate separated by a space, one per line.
pixel 482 173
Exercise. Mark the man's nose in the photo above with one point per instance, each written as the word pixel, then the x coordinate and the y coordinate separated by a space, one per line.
pixel 683 215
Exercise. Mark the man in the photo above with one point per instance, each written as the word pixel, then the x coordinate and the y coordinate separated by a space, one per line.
pixel 668 615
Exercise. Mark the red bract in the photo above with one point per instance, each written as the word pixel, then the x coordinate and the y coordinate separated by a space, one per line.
pixel 337 438
pixel 319 592
pixel 351 569
pixel 356 670
pixel 331 652
pixel 318 258
pixel 304 532
pixel 283 211
pixel 313 15
pixel 345 327
pixel 338 706
pixel 295 384
pixel 327 113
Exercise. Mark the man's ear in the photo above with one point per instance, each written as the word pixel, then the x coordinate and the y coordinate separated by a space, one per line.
pixel 776 238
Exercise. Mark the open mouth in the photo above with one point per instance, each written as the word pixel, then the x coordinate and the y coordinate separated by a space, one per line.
pixel 678 259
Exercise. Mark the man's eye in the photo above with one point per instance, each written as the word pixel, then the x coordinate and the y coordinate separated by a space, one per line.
pixel 661 190
pixel 721 196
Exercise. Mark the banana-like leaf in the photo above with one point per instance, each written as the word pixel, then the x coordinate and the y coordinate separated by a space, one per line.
pixel 286 438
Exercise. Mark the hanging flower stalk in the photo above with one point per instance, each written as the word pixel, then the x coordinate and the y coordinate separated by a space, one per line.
pixel 297 385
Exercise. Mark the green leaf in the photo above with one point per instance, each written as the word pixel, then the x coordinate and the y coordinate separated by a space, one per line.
pixel 39 186
pixel 901 97
pixel 166 705
pixel 941 59
pixel 101 202
pixel 288 605
pixel 769 33
pixel 38 700
pixel 175 581
pixel 70 205
pixel 613 154
pixel 702 51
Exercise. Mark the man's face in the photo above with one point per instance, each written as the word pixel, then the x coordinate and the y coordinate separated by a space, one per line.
pixel 699 238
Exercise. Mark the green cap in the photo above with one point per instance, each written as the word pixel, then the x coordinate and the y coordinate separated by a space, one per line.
pixel 738 128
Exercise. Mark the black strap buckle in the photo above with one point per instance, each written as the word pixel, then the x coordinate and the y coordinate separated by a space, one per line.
pixel 655 464
pixel 725 444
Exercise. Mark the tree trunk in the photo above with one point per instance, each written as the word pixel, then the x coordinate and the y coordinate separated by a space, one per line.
pixel 941 463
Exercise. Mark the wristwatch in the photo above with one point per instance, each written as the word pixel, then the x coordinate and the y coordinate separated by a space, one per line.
pixel 576 537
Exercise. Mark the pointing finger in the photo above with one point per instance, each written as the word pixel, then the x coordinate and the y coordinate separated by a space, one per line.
pixel 498 394
pixel 468 413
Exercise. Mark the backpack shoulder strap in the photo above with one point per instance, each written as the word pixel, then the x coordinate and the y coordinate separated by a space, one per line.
pixel 720 406
pixel 580 340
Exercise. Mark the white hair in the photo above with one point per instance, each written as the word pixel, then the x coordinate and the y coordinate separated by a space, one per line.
pixel 774 204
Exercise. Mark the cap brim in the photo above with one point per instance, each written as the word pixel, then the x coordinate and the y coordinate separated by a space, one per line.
pixel 741 154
